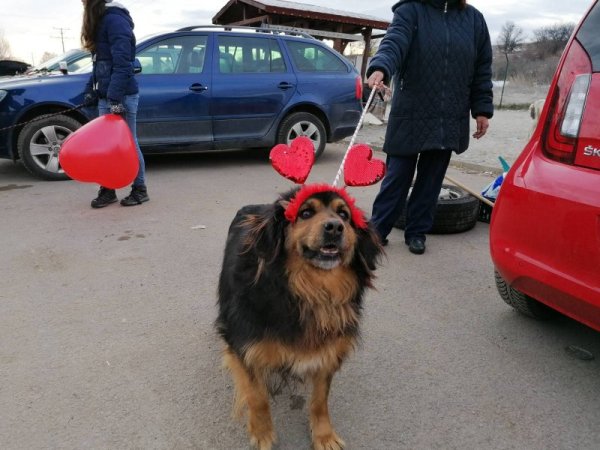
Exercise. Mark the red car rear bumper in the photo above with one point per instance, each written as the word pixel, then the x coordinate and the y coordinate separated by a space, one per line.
pixel 545 234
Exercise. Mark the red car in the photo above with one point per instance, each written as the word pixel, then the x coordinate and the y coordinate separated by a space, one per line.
pixel 545 226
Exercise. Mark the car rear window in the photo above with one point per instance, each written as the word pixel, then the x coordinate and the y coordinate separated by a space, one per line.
pixel 313 58
pixel 589 36
pixel 244 54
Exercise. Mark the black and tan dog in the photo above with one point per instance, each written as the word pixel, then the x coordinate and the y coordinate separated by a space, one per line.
pixel 290 299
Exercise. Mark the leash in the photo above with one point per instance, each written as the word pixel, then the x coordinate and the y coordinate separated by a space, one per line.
pixel 43 116
pixel 358 126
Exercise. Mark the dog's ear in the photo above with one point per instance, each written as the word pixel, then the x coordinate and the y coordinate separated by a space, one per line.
pixel 369 248
pixel 266 231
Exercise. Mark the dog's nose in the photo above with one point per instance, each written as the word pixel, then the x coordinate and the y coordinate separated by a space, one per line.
pixel 333 228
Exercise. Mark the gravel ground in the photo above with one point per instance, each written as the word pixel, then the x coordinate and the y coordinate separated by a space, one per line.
pixel 508 133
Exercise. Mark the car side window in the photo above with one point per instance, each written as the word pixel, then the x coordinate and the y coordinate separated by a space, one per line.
pixel 76 65
pixel 309 57
pixel 184 54
pixel 242 54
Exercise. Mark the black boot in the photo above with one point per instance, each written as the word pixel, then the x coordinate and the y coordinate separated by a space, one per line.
pixel 105 197
pixel 138 195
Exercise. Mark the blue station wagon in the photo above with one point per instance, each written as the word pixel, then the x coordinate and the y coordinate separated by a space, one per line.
pixel 201 88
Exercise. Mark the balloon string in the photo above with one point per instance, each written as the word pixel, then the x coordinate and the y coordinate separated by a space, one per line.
pixel 360 122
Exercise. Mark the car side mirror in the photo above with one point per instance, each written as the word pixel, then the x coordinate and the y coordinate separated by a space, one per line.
pixel 62 66
pixel 137 66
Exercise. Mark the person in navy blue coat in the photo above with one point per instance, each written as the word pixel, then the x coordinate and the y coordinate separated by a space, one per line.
pixel 107 32
pixel 439 55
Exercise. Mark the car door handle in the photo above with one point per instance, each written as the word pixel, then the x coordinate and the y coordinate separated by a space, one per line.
pixel 285 85
pixel 197 87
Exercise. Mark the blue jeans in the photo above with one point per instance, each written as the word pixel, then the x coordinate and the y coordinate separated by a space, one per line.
pixel 131 105
pixel 389 204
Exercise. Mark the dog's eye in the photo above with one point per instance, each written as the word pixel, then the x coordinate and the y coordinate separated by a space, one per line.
pixel 306 214
pixel 344 214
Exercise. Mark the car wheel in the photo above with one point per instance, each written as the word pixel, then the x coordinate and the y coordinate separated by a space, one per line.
pixel 521 302
pixel 456 211
pixel 303 124
pixel 39 143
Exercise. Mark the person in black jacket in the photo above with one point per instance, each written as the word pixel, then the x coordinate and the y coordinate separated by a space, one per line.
pixel 107 32
pixel 439 55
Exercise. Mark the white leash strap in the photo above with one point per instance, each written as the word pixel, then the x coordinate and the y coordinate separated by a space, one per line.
pixel 360 122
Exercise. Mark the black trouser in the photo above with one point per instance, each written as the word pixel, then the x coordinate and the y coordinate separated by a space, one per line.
pixel 388 205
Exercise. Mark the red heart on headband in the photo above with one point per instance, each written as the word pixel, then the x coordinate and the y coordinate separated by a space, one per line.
pixel 296 161
pixel 360 169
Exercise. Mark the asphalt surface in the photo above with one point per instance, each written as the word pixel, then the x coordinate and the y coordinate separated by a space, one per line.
pixel 107 339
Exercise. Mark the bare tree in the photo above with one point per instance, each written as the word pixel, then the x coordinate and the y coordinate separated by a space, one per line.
pixel 46 56
pixel 551 40
pixel 509 40
pixel 4 47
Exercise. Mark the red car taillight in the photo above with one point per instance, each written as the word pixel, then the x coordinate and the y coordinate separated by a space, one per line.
pixel 567 105
pixel 359 88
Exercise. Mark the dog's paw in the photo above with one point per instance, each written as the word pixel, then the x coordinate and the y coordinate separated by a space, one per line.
pixel 262 436
pixel 329 441
pixel 263 442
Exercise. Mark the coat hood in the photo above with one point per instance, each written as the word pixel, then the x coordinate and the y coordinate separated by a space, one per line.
pixel 118 8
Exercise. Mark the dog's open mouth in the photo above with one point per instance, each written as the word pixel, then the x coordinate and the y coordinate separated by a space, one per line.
pixel 325 257
pixel 329 251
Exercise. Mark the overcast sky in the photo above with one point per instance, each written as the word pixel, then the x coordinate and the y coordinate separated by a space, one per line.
pixel 33 27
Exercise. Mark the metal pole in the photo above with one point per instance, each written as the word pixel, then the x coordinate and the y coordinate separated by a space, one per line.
pixel 470 191
pixel 504 82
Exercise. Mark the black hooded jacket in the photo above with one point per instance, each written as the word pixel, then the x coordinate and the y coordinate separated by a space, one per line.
pixel 440 56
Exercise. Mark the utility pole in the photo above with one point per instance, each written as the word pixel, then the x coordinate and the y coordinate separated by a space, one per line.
pixel 62 37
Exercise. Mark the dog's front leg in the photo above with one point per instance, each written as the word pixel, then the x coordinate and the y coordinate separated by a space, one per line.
pixel 323 435
pixel 252 392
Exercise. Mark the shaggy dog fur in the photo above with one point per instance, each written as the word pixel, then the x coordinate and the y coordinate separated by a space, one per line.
pixel 290 299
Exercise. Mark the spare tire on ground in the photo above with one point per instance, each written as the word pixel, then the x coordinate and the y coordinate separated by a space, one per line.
pixel 456 211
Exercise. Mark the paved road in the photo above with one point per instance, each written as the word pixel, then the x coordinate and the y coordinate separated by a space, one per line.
pixel 106 336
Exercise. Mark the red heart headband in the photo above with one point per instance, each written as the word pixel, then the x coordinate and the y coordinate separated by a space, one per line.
pixel 306 191
pixel 358 166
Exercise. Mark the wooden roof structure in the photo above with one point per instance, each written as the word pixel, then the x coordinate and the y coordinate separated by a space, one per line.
pixel 341 27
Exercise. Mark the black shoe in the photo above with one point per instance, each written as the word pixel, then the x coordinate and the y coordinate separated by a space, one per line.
pixel 105 198
pixel 138 195
pixel 416 246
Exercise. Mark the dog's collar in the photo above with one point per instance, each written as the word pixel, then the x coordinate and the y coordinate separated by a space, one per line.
pixel 307 190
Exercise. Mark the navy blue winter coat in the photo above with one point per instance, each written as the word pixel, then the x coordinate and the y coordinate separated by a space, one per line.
pixel 441 63
pixel 112 75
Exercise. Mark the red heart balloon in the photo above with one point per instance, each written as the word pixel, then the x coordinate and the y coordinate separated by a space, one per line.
pixel 360 169
pixel 296 161
pixel 102 151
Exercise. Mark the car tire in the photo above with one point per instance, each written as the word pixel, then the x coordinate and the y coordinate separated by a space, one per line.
pixel 303 124
pixel 39 143
pixel 521 302
pixel 456 211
